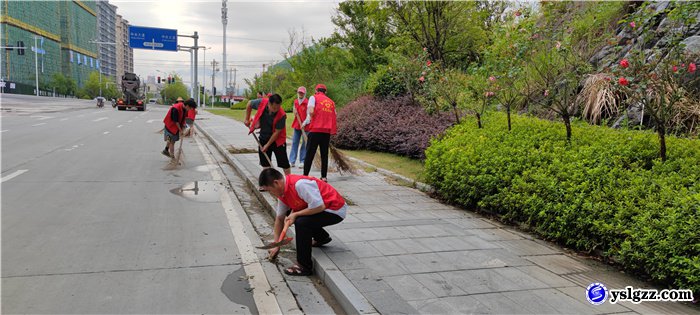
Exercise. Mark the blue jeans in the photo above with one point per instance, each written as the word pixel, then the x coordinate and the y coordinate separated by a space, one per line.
pixel 295 146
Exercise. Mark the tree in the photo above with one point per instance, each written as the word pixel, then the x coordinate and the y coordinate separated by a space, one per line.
pixel 91 89
pixel 174 90
pixel 59 82
pixel 363 28
pixel 660 83
pixel 451 31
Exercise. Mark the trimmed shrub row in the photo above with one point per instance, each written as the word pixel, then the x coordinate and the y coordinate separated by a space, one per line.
pixel 388 125
pixel 606 192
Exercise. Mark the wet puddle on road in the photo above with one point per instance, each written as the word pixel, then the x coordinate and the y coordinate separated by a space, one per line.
pixel 238 290
pixel 201 191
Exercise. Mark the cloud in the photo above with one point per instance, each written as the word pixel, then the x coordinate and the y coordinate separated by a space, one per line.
pixel 256 32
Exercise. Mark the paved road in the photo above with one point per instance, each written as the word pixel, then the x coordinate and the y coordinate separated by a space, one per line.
pixel 91 223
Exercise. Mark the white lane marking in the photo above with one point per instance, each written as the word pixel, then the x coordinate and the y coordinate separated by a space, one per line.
pixel 106 132
pixel 151 120
pixel 38 124
pixel 39 117
pixel 266 303
pixel 64 119
pixel 130 121
pixel 13 175
pixel 4 130
pixel 101 118
pixel 120 126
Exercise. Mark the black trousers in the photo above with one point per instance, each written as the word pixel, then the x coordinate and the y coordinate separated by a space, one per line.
pixel 317 139
pixel 280 154
pixel 311 227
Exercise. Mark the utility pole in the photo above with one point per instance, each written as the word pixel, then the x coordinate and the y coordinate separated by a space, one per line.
pixel 262 82
pixel 224 21
pixel 235 91
pixel 213 78
pixel 204 74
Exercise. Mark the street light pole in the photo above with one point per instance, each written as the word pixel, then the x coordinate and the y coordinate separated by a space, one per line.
pixel 36 64
pixel 99 59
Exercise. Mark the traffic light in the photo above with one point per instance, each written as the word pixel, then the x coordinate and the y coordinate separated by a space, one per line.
pixel 20 48
pixel 158 80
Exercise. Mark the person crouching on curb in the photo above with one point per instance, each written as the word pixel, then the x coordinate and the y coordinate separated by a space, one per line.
pixel 174 123
pixel 190 117
pixel 310 204
pixel 271 119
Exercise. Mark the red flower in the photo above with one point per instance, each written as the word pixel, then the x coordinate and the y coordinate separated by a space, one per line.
pixel 632 24
pixel 421 79
pixel 518 13
pixel 607 79
pixel 623 81
pixel 624 63
pixel 425 49
pixel 428 63
pixel 546 92
pixel 692 67
pixel 492 79
pixel 675 68
pixel 489 94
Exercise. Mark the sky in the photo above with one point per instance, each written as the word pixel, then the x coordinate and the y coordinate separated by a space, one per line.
pixel 256 34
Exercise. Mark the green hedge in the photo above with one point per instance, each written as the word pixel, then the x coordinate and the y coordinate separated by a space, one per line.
pixel 240 105
pixel 606 192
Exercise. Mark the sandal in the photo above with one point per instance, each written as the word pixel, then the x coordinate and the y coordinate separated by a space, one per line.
pixel 325 180
pixel 321 243
pixel 297 271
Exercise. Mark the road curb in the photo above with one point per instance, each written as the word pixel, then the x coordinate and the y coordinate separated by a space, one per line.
pixel 349 297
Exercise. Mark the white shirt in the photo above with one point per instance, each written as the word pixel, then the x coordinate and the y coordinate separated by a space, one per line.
pixel 309 192
pixel 311 104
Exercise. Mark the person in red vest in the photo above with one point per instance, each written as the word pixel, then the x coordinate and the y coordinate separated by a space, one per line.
pixel 321 119
pixel 299 115
pixel 271 119
pixel 310 204
pixel 190 117
pixel 174 122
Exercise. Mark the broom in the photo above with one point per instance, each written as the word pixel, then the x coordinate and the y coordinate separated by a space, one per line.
pixel 175 162
pixel 338 157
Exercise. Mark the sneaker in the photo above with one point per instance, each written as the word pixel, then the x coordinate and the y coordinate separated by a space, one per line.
pixel 293 165
pixel 166 153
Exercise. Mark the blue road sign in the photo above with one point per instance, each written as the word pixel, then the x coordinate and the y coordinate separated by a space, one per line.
pixel 152 38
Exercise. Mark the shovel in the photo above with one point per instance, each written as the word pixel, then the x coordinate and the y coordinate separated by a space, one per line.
pixel 282 240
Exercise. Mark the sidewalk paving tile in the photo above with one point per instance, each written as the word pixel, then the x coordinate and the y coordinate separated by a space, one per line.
pixel 407 253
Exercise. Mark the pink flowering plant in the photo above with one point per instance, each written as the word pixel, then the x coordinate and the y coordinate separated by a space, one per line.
pixel 657 83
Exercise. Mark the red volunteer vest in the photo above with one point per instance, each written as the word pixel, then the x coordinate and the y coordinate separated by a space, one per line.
pixel 332 200
pixel 282 138
pixel 191 114
pixel 170 124
pixel 324 119
pixel 301 113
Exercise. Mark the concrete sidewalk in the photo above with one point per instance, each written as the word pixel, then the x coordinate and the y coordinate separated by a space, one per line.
pixel 401 252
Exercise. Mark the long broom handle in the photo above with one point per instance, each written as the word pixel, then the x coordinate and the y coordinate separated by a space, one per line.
pixel 303 133
pixel 261 148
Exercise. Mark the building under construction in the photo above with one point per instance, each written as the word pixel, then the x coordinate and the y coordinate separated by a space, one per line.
pixel 64 32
